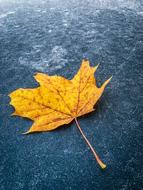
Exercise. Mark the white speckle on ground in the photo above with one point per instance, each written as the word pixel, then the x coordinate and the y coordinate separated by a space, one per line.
pixel 54 60
pixel 6 14
pixel 140 13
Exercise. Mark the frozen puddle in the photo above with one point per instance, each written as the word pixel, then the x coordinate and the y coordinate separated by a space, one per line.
pixel 54 60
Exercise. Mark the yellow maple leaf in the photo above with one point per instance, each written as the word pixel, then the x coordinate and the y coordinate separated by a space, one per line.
pixel 58 101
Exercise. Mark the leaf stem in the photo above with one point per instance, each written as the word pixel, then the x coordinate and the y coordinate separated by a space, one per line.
pixel 102 165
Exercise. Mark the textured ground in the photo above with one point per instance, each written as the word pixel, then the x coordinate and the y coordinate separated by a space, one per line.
pixel 53 37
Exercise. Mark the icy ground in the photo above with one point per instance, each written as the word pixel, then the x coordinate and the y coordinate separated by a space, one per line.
pixel 53 37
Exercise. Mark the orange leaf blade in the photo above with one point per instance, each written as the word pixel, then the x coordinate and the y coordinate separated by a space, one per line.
pixel 57 100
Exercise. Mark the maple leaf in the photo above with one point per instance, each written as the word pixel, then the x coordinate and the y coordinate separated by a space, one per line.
pixel 58 101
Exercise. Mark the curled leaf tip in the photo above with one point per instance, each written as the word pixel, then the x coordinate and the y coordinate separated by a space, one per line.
pixel 106 82
pixel 26 133
pixel 96 67
pixel 13 114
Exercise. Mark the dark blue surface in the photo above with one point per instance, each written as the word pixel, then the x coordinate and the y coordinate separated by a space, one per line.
pixel 53 37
